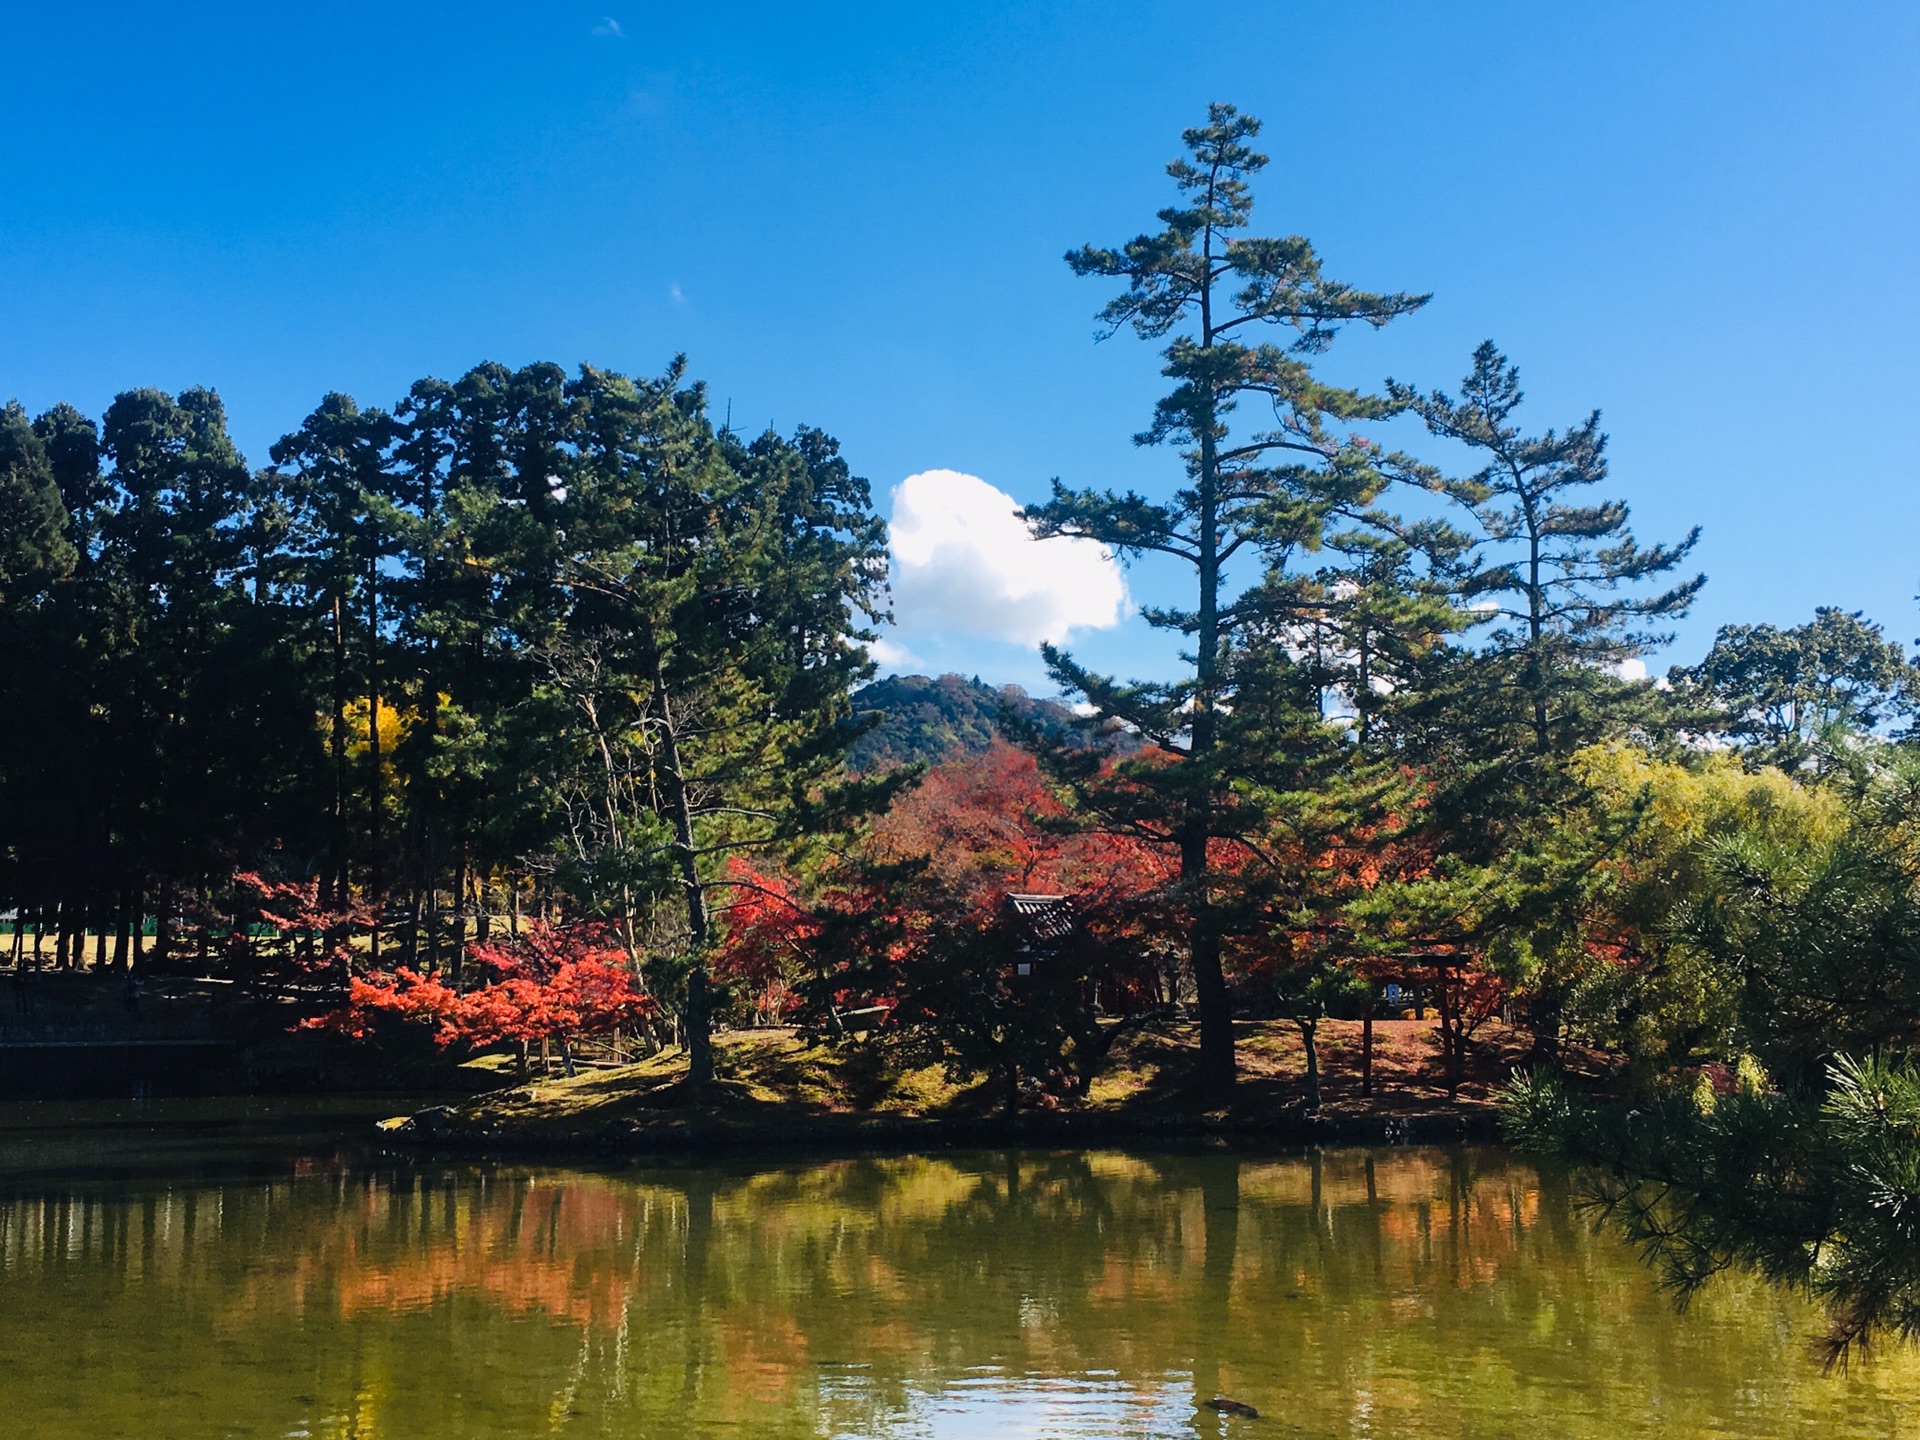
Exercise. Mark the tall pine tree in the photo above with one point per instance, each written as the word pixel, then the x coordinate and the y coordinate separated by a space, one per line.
pixel 1270 490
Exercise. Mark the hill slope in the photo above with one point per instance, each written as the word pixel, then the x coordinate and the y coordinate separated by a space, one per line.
pixel 931 720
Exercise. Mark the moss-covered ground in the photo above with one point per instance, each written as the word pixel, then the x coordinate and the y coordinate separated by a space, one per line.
pixel 775 1084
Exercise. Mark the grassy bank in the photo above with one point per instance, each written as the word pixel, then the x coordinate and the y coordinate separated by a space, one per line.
pixel 772 1088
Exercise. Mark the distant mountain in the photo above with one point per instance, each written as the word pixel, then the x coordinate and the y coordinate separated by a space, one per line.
pixel 938 719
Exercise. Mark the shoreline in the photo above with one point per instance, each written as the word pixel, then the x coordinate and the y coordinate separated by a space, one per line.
pixel 776 1092
pixel 429 1132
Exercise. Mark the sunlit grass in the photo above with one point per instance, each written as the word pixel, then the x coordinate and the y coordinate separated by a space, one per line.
pixel 767 1077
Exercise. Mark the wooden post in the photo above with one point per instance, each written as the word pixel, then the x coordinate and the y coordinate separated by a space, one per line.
pixel 1366 1049
pixel 120 926
pixel 163 923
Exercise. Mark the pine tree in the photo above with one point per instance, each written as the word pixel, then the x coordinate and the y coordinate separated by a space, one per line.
pixel 1270 491
pixel 334 472
pixel 1564 587
pixel 1557 577
pixel 695 605
pixel 35 549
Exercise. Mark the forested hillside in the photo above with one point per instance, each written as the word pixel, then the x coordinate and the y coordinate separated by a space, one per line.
pixel 933 719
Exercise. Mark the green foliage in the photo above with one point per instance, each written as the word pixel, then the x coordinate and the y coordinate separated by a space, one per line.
pixel 1820 1192
pixel 1645 848
pixel 1821 942
pixel 525 638
pixel 1558 578
pixel 981 999
pixel 1798 699
pixel 1763 932
pixel 34 548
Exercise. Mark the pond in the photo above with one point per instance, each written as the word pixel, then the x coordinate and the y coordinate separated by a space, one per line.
pixel 1401 1293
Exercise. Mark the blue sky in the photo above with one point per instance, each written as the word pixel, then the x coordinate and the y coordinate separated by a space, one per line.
pixel 1702 218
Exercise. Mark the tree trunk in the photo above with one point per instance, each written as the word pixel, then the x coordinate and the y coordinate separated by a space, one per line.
pixel 1310 1039
pixel 375 799
pixel 1209 980
pixel 336 889
pixel 699 1032
pixel 121 906
pixel 1450 1039
pixel 419 918
pixel 482 910
pixel 1543 1018
pixel 1212 999
pixel 1366 1050
pixel 459 937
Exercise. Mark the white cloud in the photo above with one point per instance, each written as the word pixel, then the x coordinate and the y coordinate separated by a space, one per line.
pixel 889 655
pixel 610 26
pixel 676 294
pixel 1630 669
pixel 965 563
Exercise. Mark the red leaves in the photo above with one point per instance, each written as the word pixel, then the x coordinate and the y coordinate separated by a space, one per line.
pixel 298 915
pixel 767 934
pixel 404 995
pixel 556 982
pixel 989 824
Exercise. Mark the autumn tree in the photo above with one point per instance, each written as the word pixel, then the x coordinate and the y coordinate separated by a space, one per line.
pixel 914 920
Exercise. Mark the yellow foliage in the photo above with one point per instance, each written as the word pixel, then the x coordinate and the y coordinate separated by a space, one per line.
pixel 1669 999
pixel 394 725
pixel 1708 799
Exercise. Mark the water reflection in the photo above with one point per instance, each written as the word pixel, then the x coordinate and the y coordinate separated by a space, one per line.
pixel 1404 1293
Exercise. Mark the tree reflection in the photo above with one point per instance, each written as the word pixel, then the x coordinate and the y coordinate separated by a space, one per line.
pixel 1356 1292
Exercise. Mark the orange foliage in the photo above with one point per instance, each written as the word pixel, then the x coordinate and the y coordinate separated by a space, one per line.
pixel 989 824
pixel 557 982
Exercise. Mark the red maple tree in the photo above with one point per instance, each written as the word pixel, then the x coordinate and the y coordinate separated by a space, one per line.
pixel 553 983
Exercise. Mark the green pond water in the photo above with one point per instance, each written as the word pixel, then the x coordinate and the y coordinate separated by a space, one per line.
pixel 320 1292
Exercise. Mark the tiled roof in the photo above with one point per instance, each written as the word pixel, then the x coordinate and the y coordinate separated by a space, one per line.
pixel 1047 917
